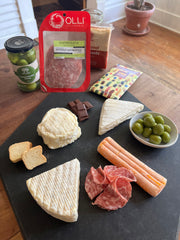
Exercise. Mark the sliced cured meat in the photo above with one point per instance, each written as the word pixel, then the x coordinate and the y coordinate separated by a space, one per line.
pixel 109 168
pixel 123 187
pixel 113 172
pixel 95 182
pixel 103 179
pixel 111 198
pixel 61 73
pixel 111 187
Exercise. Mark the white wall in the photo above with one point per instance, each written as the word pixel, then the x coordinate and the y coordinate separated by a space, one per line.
pixel 167 13
pixel 16 18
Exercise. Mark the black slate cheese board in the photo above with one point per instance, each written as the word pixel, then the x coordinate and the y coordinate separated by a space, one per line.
pixel 143 218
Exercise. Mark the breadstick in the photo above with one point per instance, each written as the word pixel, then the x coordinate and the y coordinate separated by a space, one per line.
pixel 151 181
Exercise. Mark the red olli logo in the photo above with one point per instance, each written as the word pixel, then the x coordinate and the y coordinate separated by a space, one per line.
pixel 57 21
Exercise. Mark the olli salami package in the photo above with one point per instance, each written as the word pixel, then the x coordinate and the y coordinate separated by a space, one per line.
pixel 64 45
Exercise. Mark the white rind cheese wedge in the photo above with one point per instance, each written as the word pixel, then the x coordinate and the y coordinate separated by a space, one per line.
pixel 57 190
pixel 58 128
pixel 115 112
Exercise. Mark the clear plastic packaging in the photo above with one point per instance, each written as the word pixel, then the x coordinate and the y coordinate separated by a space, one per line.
pixel 64 40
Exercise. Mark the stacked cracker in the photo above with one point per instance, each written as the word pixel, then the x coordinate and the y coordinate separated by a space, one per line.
pixel 31 156
pixel 58 128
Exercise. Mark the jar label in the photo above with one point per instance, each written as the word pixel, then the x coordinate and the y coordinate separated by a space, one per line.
pixel 27 74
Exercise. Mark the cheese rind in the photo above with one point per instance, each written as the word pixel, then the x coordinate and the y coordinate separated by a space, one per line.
pixel 57 190
pixel 115 112
pixel 58 128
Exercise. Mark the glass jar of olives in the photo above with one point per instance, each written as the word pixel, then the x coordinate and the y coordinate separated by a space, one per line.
pixel 22 55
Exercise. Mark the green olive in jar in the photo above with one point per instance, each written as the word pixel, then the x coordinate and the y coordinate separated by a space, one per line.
pixel 13 57
pixel 22 62
pixel 29 87
pixel 22 55
pixel 30 56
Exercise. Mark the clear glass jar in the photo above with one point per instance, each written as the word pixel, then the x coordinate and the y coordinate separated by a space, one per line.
pixel 22 55
pixel 96 15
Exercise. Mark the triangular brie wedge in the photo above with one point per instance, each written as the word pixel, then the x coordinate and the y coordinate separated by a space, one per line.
pixel 57 190
pixel 115 112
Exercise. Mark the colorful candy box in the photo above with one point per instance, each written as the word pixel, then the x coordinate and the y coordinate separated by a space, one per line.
pixel 116 82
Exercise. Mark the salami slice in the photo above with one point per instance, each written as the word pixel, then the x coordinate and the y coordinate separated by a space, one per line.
pixel 112 172
pixel 123 187
pixel 95 182
pixel 110 186
pixel 111 198
pixel 61 73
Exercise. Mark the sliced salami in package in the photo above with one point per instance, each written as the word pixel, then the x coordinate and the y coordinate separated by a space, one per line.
pixel 64 45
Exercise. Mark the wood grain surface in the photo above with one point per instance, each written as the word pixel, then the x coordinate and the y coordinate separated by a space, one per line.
pixel 156 54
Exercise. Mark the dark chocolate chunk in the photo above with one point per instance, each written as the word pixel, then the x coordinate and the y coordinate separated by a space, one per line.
pixel 77 101
pixel 80 108
pixel 88 105
pixel 82 112
pixel 72 107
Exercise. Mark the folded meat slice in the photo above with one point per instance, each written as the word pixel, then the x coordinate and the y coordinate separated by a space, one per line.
pixel 113 172
pixel 115 195
pixel 110 186
pixel 95 182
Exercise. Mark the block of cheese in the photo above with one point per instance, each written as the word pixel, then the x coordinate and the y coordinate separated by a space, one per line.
pixel 59 127
pixel 115 111
pixel 33 157
pixel 57 190
pixel 17 149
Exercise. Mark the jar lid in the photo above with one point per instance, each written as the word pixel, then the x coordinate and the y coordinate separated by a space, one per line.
pixel 19 44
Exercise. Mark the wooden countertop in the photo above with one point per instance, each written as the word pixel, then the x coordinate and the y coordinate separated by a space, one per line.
pixel 15 106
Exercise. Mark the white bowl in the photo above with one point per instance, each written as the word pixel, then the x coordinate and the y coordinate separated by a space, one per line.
pixel 174 130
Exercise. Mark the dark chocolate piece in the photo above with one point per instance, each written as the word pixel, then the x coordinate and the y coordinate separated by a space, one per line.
pixel 72 107
pixel 80 108
pixel 77 101
pixel 82 112
pixel 88 105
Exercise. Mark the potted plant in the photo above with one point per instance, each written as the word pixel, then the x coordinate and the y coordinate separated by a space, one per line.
pixel 138 13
